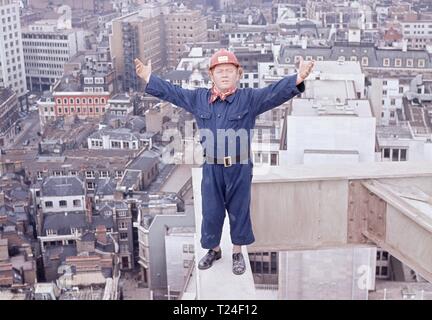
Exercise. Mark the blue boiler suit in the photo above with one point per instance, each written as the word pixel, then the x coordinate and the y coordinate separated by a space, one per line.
pixel 226 187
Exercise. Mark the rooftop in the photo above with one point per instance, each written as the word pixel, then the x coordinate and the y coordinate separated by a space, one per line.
pixel 62 186
pixel 330 107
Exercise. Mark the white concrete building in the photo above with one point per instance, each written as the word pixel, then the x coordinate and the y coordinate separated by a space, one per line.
pixel 121 138
pixel 62 194
pixel 385 95
pixel 12 71
pixel 330 125
pixel 179 251
pixel 418 34
pixel 120 104
pixel 46 49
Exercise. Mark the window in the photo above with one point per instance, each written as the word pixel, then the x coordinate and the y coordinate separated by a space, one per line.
pixel 90 174
pixel 403 155
pixel 123 225
pixel 395 155
pixel 386 62
pixel 386 153
pixel 48 204
pixel 185 248
pixel 104 174
pixel 365 61
pixel 409 62
pixel 398 62
pixel 119 173
pixel 273 159
pixel 90 185
pixel 77 203
pixel 63 203
pixel 186 263
pixel 123 235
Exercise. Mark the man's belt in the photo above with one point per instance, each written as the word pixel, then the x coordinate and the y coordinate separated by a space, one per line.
pixel 227 161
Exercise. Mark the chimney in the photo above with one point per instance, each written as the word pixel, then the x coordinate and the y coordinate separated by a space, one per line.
pixel 304 43
pixel 2 198
pixel 404 45
pixel 101 235
pixel 89 210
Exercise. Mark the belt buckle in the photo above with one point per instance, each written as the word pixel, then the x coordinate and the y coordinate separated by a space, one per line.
pixel 227 162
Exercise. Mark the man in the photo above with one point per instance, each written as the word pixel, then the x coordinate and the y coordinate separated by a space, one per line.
pixel 227 172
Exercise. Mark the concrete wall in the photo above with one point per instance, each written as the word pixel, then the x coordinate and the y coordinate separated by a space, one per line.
pixel 157 255
pixel 329 133
pixel 56 204
pixel 175 257
pixel 345 273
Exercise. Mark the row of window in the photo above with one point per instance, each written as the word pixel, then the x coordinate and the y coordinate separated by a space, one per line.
pixel 117 145
pixel 96 80
pixel 188 248
pixel 12 52
pixel 266 158
pixel 417 32
pixel 44 65
pixel 365 61
pixel 94 89
pixel 63 203
pixel 46 51
pixel 246 85
pixel 10 36
pixel 408 62
pixel 39 72
pixel 394 154
pixel 52 232
pixel 417 26
pixel 9 19
pixel 81 100
pixel 44 36
pixel 79 110
pixel 88 173
pixel 8 10
pixel 45 44
pixel 255 76
pixel 11 44
pixel 49 58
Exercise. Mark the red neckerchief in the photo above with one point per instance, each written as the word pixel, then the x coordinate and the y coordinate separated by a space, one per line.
pixel 215 93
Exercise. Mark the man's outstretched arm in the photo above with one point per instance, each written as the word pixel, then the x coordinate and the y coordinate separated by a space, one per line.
pixel 277 93
pixel 165 90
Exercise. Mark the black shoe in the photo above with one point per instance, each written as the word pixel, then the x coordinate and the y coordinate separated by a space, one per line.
pixel 207 261
pixel 239 265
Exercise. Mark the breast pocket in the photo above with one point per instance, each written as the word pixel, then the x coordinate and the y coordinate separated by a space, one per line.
pixel 203 118
pixel 239 120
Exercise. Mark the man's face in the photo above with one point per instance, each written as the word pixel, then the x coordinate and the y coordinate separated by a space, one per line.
pixel 225 76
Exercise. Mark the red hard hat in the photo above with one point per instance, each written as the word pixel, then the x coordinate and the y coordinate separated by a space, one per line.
pixel 223 56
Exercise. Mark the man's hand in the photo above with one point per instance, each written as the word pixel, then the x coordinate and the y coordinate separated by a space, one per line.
pixel 143 71
pixel 305 68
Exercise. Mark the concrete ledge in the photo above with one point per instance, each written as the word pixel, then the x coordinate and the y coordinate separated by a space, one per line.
pixel 373 170
pixel 219 282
